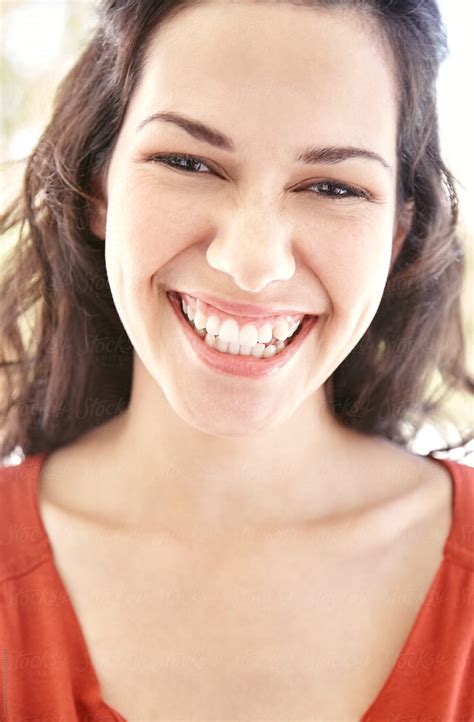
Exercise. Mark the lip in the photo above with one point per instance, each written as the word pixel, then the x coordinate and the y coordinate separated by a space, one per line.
pixel 235 308
pixel 234 365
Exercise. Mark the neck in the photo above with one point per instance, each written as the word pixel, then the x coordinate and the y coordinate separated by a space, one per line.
pixel 169 474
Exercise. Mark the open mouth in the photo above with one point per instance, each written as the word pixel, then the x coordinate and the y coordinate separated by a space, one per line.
pixel 257 361
pixel 270 342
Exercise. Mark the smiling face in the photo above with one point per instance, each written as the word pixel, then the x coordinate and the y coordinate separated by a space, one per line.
pixel 250 219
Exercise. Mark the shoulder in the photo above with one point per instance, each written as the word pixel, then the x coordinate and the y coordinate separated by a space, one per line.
pixel 451 484
pixel 22 541
pixel 426 495
pixel 460 543
pixel 16 483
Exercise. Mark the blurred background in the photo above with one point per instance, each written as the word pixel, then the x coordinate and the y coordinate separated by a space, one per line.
pixel 40 40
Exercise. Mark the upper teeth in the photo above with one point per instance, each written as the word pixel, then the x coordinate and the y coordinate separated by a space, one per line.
pixel 249 334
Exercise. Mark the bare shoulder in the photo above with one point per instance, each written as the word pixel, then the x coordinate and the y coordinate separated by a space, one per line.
pixel 420 472
pixel 58 479
pixel 71 476
pixel 419 485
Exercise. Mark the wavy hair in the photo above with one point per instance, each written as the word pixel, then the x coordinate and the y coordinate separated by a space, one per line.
pixel 66 359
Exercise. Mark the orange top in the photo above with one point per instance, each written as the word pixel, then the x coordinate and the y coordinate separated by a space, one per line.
pixel 47 673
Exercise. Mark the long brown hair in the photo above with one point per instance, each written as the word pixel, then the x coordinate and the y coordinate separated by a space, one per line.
pixel 66 358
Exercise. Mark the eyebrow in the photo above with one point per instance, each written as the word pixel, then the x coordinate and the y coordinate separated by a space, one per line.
pixel 310 155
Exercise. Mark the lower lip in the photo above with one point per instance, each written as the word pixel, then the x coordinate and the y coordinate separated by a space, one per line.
pixel 241 365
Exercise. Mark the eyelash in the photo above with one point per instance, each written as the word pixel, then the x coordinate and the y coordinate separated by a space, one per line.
pixel 332 186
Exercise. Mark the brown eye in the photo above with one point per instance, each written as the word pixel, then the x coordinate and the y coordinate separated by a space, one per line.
pixel 334 190
pixel 173 161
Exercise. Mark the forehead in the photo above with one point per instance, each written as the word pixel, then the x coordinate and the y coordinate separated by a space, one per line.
pixel 293 70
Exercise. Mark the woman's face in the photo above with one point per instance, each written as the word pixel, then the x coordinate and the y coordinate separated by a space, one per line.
pixel 254 224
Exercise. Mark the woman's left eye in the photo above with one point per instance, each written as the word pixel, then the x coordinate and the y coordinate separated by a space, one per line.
pixel 174 162
pixel 334 190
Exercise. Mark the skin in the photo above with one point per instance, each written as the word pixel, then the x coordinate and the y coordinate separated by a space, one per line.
pixel 199 444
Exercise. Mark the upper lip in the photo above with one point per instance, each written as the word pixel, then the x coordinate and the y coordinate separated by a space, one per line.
pixel 236 308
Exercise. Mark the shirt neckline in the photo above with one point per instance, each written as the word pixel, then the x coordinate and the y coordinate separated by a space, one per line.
pixel 39 459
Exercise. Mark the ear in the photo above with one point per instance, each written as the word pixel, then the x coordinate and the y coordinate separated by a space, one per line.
pixel 98 209
pixel 403 226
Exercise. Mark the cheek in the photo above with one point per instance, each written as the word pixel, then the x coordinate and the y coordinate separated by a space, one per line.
pixel 350 261
pixel 350 256
pixel 146 229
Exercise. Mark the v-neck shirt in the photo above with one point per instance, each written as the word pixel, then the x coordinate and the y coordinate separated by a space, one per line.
pixel 47 671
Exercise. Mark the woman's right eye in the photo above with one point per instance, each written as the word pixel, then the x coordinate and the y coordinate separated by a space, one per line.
pixel 171 159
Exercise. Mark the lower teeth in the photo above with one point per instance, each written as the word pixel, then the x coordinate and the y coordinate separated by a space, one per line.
pixel 258 351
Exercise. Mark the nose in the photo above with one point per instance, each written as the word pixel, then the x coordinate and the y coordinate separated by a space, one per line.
pixel 254 249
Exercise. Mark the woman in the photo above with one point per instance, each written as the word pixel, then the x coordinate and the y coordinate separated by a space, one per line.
pixel 247 267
